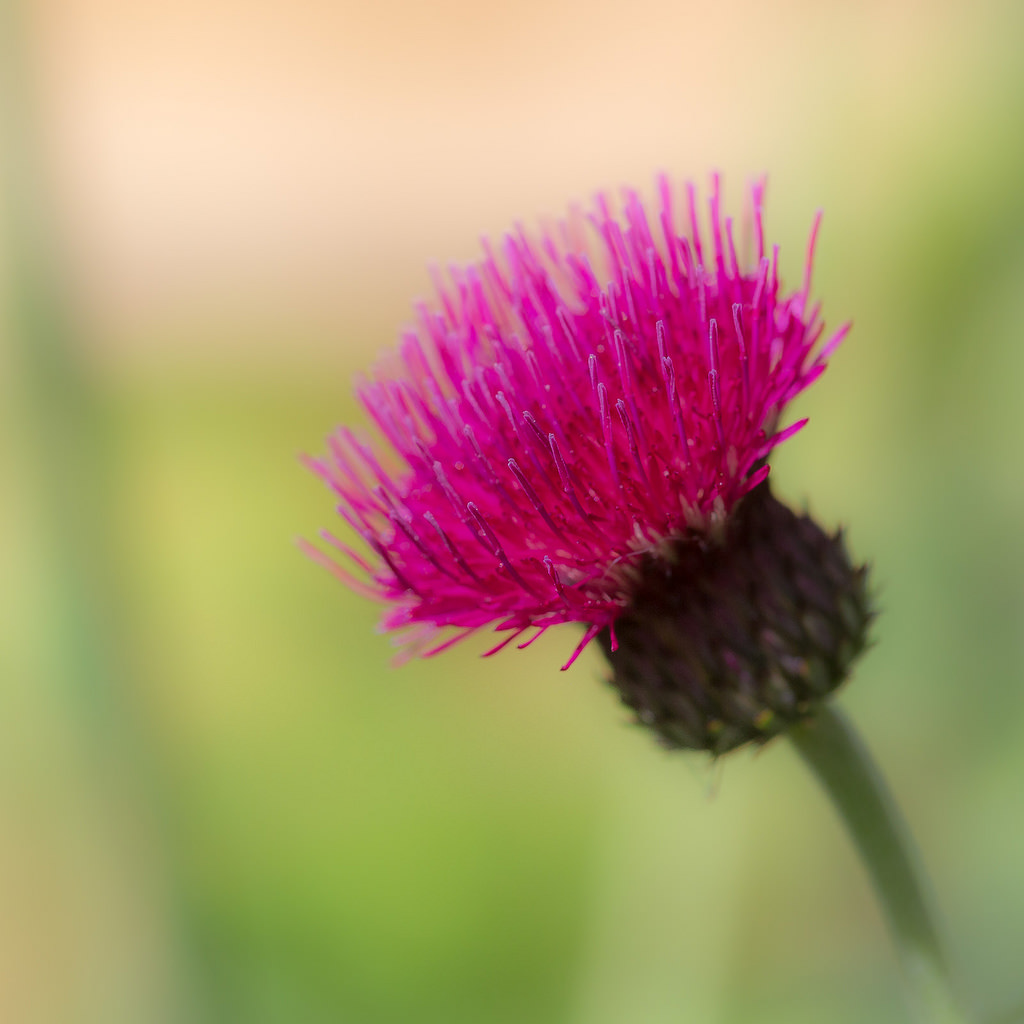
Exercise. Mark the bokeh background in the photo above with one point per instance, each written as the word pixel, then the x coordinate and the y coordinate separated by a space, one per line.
pixel 218 801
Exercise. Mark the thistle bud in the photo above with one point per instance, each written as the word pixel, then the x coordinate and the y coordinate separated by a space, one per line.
pixel 732 642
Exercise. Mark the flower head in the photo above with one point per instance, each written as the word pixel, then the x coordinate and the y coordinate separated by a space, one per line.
pixel 570 408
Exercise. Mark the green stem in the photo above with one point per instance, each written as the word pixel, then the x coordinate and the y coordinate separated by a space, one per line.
pixel 844 766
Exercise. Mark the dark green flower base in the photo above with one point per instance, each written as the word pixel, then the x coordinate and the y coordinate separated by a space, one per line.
pixel 733 642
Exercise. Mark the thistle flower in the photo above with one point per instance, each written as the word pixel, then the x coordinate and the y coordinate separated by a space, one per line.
pixel 571 433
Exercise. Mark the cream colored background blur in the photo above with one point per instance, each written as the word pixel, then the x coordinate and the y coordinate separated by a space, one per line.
pixel 217 801
pixel 307 160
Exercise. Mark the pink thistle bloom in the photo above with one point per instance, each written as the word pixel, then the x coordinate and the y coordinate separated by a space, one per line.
pixel 570 405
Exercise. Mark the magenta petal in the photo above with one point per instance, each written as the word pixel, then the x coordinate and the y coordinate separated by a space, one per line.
pixel 567 405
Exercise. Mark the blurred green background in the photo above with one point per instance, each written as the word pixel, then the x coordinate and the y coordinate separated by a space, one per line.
pixel 218 802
